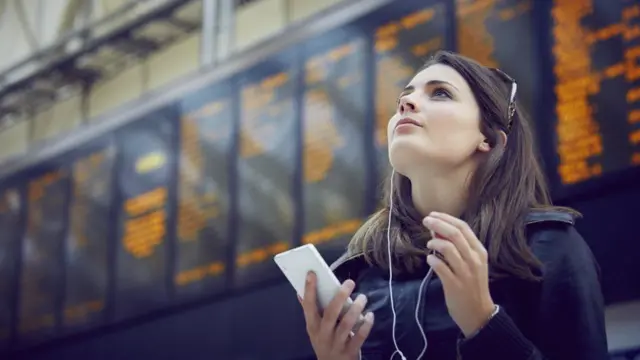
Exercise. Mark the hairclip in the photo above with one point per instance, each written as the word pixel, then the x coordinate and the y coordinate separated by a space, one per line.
pixel 511 109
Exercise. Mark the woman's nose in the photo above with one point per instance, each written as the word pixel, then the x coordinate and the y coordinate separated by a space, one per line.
pixel 406 105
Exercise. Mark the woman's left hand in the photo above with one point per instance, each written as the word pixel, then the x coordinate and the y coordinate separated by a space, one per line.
pixel 464 273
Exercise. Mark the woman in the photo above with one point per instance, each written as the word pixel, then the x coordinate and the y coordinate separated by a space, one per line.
pixel 513 279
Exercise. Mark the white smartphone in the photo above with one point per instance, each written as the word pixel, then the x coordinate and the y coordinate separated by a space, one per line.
pixel 298 262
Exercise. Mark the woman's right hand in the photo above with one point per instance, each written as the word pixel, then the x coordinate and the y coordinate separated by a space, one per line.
pixel 332 340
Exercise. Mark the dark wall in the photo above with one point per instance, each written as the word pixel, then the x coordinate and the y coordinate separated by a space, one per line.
pixel 264 324
pixel 610 226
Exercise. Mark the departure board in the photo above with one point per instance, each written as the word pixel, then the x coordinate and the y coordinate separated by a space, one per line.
pixel 268 146
pixel 11 224
pixel 42 251
pixel 335 166
pixel 145 173
pixel 404 39
pixel 186 201
pixel 596 52
pixel 90 233
pixel 207 119
pixel 498 34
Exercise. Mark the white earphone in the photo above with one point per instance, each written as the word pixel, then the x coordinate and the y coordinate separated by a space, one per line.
pixel 424 281
pixel 422 284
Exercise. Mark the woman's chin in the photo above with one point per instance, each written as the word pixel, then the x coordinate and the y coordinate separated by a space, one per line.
pixel 405 152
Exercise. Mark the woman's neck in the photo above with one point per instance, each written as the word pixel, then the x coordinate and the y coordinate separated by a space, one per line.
pixel 446 194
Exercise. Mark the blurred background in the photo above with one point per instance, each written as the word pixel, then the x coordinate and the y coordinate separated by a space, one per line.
pixel 156 154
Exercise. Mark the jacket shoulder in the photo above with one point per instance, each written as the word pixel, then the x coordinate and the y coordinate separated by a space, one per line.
pixel 549 216
pixel 559 244
pixel 348 265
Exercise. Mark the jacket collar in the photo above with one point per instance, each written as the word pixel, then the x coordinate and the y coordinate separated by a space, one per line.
pixel 534 217
pixel 539 216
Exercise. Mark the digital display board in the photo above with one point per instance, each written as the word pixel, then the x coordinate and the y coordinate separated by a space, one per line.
pixel 498 34
pixel 596 53
pixel 403 41
pixel 207 126
pixel 185 198
pixel 11 225
pixel 145 177
pixel 88 238
pixel 266 168
pixel 334 160
pixel 42 253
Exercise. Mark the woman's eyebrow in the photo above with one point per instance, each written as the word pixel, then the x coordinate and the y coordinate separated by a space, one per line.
pixel 441 82
pixel 407 90
pixel 411 88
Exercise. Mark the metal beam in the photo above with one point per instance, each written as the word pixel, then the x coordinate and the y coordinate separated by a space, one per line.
pixel 342 14
pixel 92 45
pixel 63 40
pixel 227 29
pixel 210 30
pixel 17 94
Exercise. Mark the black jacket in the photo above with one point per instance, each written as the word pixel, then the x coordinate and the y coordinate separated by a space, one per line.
pixel 559 318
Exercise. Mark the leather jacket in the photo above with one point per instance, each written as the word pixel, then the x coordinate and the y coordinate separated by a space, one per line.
pixel 560 317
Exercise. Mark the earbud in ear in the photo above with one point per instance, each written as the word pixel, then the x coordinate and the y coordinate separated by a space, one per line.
pixel 484 145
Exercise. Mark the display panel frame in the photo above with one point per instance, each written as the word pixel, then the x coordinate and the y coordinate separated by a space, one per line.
pixel 14 266
pixel 274 83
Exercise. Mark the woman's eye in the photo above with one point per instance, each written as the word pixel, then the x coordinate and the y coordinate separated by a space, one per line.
pixel 439 92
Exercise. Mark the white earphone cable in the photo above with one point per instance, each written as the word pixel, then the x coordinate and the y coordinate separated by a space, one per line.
pixel 422 284
pixel 425 281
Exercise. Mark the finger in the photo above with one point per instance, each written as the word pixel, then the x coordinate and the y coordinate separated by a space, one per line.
pixel 356 341
pixel 349 319
pixel 466 230
pixel 451 233
pixel 443 271
pixel 310 304
pixel 450 253
pixel 334 309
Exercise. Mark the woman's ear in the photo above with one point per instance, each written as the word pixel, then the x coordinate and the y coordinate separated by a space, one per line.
pixel 504 137
pixel 485 146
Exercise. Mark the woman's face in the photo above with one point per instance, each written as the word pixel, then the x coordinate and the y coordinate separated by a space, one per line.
pixel 436 125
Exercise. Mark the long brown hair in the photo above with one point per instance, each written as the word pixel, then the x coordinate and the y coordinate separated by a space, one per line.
pixel 505 188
